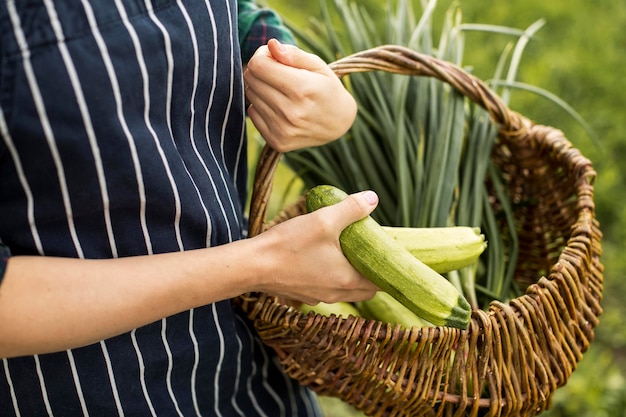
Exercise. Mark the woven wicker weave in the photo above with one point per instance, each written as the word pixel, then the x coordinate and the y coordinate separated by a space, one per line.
pixel 513 356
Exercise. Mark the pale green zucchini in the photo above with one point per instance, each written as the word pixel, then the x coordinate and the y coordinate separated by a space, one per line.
pixel 444 249
pixel 339 309
pixel 383 307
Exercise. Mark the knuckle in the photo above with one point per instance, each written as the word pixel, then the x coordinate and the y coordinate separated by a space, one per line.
pixel 278 143
pixel 325 224
pixel 297 117
pixel 252 67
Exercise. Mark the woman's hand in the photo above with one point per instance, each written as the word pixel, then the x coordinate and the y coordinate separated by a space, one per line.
pixel 295 99
pixel 302 259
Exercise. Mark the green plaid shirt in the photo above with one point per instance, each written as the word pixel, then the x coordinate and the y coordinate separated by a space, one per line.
pixel 258 25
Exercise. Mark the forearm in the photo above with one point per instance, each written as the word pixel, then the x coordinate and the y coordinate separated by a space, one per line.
pixel 51 304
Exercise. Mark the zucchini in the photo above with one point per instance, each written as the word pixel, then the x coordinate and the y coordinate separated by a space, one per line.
pixel 384 261
pixel 444 249
pixel 339 309
pixel 383 307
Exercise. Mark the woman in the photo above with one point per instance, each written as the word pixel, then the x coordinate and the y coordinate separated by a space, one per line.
pixel 122 183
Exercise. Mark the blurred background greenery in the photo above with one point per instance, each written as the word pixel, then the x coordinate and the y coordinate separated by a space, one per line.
pixel 579 55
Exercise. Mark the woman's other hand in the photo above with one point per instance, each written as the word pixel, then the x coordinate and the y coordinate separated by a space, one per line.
pixel 295 99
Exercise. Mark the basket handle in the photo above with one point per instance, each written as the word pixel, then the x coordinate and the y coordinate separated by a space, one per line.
pixel 399 60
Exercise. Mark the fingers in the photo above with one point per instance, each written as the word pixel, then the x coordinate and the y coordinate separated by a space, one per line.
pixel 264 117
pixel 295 57
pixel 283 67
pixel 264 69
pixel 269 110
pixel 295 99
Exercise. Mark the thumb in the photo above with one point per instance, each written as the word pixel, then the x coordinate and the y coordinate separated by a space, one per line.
pixel 293 56
pixel 355 207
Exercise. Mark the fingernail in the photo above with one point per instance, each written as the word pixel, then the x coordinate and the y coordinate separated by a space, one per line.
pixel 281 47
pixel 370 197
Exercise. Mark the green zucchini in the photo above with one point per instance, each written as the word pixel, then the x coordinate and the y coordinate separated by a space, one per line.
pixel 383 307
pixel 444 249
pixel 384 261
pixel 339 309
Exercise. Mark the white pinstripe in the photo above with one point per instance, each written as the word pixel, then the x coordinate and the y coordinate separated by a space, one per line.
pixel 168 118
pixel 238 378
pixel 120 113
pixel 109 365
pixel 43 117
pixel 84 111
pixel 146 115
pixel 231 86
pixel 270 391
pixel 192 106
pixel 194 370
pixel 79 389
pixel 264 366
pixel 170 365
pixel 142 372
pixel 140 183
pixel 254 367
pixel 45 123
pixel 16 408
pixel 207 117
pixel 311 406
pixel 216 386
pixel 168 110
pixel 30 202
pixel 196 351
pixel 42 385
pixel 146 93
pixel 257 406
pixel 230 105
pixel 71 70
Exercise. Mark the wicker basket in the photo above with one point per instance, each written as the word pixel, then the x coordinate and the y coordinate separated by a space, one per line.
pixel 513 356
